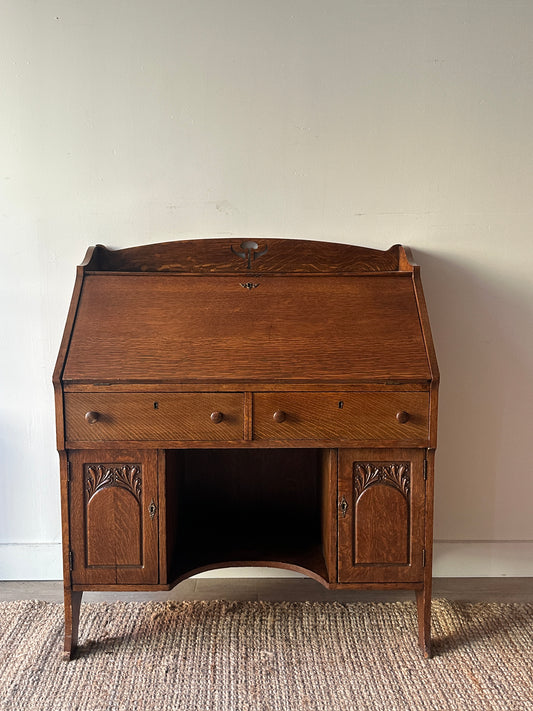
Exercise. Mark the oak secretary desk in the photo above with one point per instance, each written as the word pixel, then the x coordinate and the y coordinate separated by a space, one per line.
pixel 225 402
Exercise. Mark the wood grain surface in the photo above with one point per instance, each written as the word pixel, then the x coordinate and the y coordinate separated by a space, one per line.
pixel 247 402
pixel 341 416
pixel 381 535
pixel 231 255
pixel 164 416
pixel 212 329
pixel 114 538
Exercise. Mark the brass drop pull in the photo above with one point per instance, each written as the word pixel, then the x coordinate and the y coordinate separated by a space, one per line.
pixel 343 506
pixel 402 417
pixel 91 417
pixel 217 417
pixel 279 416
pixel 152 509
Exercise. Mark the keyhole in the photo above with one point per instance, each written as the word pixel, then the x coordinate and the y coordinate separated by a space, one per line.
pixel 156 406
pixel 341 404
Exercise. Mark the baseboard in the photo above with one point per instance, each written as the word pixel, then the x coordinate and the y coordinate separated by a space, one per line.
pixel 483 559
pixel 452 559
pixel 31 561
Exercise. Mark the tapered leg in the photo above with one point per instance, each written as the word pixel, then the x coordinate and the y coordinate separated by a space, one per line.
pixel 423 605
pixel 72 618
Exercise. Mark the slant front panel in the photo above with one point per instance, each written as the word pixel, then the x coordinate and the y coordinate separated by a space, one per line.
pixel 263 328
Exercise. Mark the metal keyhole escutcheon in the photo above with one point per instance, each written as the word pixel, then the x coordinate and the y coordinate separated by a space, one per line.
pixel 152 509
pixel 343 507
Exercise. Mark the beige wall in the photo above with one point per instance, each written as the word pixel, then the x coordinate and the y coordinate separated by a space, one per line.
pixel 367 122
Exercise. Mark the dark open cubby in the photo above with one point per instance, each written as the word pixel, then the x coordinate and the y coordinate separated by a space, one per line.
pixel 243 507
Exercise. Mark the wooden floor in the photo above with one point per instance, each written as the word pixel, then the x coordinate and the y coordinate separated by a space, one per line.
pixel 290 589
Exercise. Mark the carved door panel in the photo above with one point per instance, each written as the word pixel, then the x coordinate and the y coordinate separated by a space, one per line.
pixel 114 517
pixel 381 515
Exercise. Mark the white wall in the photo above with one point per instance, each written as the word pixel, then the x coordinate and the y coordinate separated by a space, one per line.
pixel 359 121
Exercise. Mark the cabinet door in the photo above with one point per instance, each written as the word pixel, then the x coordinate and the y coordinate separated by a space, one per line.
pixel 381 515
pixel 114 517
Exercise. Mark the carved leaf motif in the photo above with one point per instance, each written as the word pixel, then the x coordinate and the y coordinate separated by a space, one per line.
pixel 101 476
pixel 395 474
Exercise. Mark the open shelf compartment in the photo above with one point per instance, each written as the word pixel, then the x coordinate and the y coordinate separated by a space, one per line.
pixel 267 507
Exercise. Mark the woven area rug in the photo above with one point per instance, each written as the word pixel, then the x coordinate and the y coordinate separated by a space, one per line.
pixel 243 656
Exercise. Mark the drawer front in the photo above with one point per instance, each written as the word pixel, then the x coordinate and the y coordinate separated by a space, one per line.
pixel 361 417
pixel 154 416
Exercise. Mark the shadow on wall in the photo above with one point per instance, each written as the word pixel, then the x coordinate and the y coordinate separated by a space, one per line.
pixel 478 321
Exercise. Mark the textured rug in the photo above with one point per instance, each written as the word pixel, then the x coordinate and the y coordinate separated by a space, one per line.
pixel 247 656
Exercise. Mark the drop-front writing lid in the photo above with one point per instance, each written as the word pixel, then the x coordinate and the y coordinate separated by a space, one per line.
pixel 264 327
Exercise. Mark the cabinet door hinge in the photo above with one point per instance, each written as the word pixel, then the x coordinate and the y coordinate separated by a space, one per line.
pixel 71 560
pixel 68 471
pixel 425 469
pixel 423 557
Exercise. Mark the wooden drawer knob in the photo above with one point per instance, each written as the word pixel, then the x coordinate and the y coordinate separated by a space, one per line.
pixel 91 417
pixel 217 417
pixel 279 416
pixel 402 417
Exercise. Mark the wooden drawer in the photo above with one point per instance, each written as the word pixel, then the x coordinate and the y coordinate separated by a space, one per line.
pixel 153 416
pixel 359 417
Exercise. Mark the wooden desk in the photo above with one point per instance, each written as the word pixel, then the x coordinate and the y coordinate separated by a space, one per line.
pixel 225 403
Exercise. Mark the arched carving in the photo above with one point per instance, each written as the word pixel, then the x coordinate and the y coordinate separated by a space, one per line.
pixel 102 476
pixel 395 474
